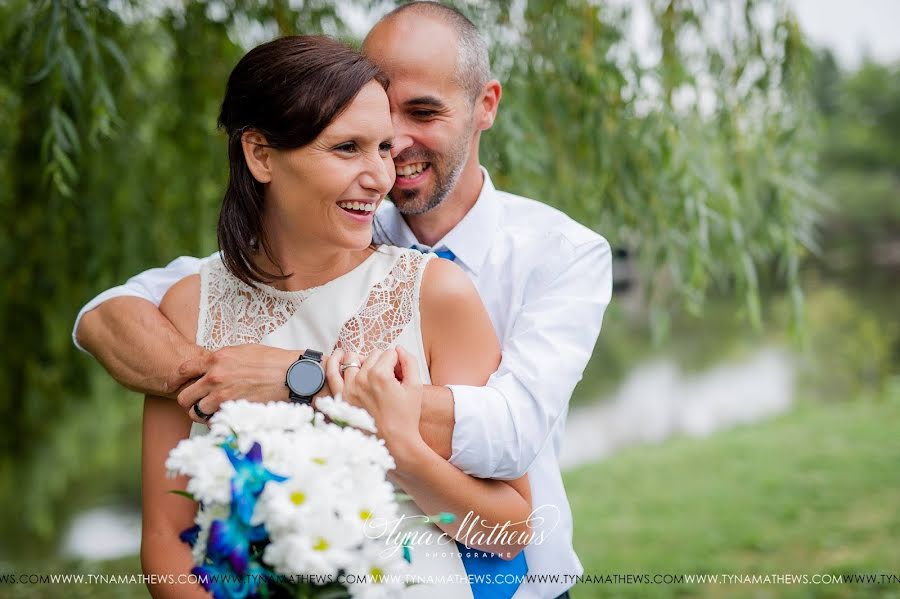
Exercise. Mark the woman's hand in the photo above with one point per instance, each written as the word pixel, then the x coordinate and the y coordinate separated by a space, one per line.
pixel 334 377
pixel 388 386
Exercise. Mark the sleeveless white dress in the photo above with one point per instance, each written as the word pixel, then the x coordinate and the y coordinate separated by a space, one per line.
pixel 374 306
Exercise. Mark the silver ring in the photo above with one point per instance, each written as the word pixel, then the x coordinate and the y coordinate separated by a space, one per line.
pixel 350 365
pixel 200 412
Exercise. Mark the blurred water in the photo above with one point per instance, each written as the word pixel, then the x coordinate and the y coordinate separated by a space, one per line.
pixel 104 533
pixel 658 401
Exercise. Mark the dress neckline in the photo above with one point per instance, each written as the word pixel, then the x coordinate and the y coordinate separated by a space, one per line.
pixel 301 294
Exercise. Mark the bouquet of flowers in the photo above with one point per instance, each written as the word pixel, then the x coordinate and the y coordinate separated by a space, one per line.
pixel 288 502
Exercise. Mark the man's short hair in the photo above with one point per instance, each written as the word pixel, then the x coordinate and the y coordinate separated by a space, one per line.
pixel 473 68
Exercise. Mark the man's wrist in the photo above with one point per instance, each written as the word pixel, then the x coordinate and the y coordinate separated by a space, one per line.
pixel 184 353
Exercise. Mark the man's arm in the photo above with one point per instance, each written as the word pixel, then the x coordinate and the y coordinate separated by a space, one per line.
pixel 436 422
pixel 498 430
pixel 136 344
pixel 125 331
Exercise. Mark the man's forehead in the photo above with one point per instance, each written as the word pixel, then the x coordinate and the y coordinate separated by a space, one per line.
pixel 413 46
pixel 424 91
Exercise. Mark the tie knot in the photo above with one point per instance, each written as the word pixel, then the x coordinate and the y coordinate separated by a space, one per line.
pixel 442 252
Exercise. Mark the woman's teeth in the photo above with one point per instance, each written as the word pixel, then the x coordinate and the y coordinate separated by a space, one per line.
pixel 362 206
pixel 408 170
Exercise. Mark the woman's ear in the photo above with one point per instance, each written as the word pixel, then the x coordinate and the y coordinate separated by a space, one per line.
pixel 257 155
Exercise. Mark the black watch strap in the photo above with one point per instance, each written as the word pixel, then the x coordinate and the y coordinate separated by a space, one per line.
pixel 299 398
pixel 312 354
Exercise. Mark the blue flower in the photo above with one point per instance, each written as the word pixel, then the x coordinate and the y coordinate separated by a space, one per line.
pixel 220 579
pixel 189 535
pixel 250 477
pixel 224 583
pixel 230 569
pixel 230 540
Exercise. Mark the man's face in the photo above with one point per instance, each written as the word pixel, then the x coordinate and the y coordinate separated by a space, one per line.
pixel 431 112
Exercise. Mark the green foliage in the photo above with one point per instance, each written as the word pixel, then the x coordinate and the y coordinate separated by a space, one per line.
pixel 110 163
pixel 860 160
pixel 848 348
pixel 699 162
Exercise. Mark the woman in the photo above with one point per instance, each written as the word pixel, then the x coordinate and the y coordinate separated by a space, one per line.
pixel 310 133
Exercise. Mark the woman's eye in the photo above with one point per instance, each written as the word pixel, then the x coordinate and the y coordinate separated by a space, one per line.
pixel 423 114
pixel 386 147
pixel 348 147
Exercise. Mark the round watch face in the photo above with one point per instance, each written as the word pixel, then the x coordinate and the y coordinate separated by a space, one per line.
pixel 305 378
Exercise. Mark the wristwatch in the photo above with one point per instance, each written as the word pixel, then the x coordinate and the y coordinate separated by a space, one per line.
pixel 305 377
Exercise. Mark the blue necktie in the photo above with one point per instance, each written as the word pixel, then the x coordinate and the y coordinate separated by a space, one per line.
pixel 442 253
pixel 483 566
pixel 493 577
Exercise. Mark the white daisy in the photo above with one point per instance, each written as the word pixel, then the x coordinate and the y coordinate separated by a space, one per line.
pixel 343 413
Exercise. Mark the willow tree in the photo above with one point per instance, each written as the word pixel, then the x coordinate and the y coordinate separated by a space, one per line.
pixel 696 159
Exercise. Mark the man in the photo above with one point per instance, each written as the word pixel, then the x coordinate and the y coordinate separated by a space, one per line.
pixel 545 280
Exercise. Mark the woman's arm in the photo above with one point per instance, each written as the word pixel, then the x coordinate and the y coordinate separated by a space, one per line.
pixel 462 348
pixel 166 514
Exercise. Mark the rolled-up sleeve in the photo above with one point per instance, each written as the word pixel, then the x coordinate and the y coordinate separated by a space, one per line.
pixel 501 428
pixel 150 285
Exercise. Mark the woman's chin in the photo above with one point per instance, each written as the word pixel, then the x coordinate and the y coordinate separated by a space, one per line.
pixel 355 241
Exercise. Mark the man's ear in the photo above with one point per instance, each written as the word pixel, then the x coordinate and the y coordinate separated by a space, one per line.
pixel 257 155
pixel 490 101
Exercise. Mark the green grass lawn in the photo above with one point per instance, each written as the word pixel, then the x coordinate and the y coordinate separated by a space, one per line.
pixel 814 491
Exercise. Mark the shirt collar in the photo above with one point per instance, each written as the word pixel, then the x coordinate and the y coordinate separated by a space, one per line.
pixel 469 240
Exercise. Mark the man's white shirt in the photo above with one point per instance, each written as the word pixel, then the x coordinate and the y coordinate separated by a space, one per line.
pixel 545 281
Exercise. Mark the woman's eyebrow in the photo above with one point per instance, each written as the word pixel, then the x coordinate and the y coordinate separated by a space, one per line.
pixel 356 136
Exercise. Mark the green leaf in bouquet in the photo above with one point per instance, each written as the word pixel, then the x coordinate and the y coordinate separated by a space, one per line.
pixel 407 554
pixel 183 494
pixel 442 518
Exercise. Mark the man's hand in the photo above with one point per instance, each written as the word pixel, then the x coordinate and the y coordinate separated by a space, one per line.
pixel 253 372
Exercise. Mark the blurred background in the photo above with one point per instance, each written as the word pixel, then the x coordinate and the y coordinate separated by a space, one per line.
pixel 741 413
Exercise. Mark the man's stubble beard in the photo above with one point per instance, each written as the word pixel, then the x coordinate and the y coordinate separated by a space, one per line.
pixel 410 204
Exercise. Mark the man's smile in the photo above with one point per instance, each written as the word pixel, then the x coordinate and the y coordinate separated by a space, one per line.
pixel 412 174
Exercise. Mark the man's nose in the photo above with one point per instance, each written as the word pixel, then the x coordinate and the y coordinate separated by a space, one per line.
pixel 401 142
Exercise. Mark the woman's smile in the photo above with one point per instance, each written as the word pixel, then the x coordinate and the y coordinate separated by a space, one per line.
pixel 359 211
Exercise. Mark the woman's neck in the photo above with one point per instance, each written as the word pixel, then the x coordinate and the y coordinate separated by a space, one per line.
pixel 309 263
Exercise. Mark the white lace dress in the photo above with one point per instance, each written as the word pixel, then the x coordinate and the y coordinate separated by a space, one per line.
pixel 374 306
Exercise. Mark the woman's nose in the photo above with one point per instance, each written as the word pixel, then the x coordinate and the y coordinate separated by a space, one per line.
pixel 380 175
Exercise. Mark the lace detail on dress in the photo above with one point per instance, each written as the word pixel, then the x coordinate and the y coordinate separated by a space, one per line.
pixel 389 307
pixel 232 312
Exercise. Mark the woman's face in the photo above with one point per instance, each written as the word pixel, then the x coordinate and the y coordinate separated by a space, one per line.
pixel 328 190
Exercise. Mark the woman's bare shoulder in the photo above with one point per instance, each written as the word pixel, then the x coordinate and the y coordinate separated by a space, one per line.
pixel 181 305
pixel 460 343
pixel 445 284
